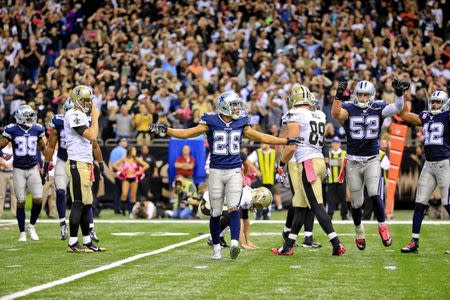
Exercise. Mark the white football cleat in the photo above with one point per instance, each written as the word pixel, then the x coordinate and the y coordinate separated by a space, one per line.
pixel 33 234
pixel 217 253
pixel 23 237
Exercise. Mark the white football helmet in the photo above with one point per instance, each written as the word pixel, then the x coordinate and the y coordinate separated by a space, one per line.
pixel 261 197
pixel 25 115
pixel 442 102
pixel 68 105
pixel 229 104
pixel 364 94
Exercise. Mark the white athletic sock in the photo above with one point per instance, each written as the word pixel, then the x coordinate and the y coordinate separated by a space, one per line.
pixel 62 220
pixel 91 225
pixel 359 230
pixel 381 224
pixel 293 236
pixel 415 235
pixel 286 229
pixel 332 235
pixel 217 247
pixel 73 240
pixel 234 243
pixel 86 239
pixel 308 233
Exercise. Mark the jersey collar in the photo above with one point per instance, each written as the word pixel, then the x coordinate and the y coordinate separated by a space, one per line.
pixel 24 130
pixel 227 124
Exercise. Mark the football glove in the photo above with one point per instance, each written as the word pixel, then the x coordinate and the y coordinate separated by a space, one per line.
pixel 159 129
pixel 341 91
pixel 280 176
pixel 5 156
pixel 400 87
pixel 295 141
pixel 101 166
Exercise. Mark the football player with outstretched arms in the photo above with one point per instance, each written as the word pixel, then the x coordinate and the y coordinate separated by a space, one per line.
pixel 58 135
pixel 305 121
pixel 224 130
pixel 26 137
pixel 80 136
pixel 435 123
pixel 363 117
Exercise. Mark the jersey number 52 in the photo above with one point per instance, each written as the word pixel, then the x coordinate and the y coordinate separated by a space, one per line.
pixel 226 142
pixel 364 127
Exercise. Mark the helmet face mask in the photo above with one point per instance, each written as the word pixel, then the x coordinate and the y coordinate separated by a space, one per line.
pixel 229 104
pixel 25 116
pixel 82 97
pixel 438 102
pixel 364 94
pixel 261 197
pixel 68 105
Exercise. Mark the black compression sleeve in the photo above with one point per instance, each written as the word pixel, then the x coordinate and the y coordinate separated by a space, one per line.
pixel 80 129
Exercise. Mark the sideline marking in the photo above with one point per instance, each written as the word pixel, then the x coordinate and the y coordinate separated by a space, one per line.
pixel 74 277
pixel 339 222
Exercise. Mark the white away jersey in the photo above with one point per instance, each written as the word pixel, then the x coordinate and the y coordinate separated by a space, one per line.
pixel 78 148
pixel 312 131
pixel 246 199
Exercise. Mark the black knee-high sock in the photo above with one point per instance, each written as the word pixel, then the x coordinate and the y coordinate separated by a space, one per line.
pixel 289 217
pixel 419 212
pixel 447 207
pixel 357 216
pixel 297 223
pixel 309 220
pixel 319 211
pixel 20 215
pixel 35 211
pixel 85 220
pixel 378 208
pixel 61 203
pixel 75 218
pixel 214 229
pixel 124 207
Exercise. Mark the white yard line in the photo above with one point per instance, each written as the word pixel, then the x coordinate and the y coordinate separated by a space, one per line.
pixel 7 224
pixel 74 277
pixel 338 222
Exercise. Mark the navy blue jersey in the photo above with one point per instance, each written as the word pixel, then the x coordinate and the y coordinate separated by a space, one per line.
pixel 57 123
pixel 224 140
pixel 25 144
pixel 363 128
pixel 436 130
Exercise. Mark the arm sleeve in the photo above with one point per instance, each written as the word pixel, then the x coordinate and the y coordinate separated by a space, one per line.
pixel 393 108
pixel 80 129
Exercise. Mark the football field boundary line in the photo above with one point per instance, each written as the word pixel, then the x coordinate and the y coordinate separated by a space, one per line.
pixel 110 266
pixel 337 222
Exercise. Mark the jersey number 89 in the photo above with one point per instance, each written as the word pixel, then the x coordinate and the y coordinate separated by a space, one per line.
pixel 226 142
pixel 26 145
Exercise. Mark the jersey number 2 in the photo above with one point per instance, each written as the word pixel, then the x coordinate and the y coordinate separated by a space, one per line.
pixel 226 142
pixel 26 145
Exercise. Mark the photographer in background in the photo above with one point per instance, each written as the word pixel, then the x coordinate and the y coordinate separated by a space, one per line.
pixel 184 194
pixel 143 210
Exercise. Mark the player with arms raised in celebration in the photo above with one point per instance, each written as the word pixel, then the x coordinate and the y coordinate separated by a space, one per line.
pixel 436 170
pixel 224 130
pixel 26 137
pixel 363 117
pixel 309 169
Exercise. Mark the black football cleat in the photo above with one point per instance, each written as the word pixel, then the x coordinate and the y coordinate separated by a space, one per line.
pixel 76 248
pixel 412 247
pixel 309 242
pixel 93 235
pixel 360 244
pixel 93 247
pixel 338 251
pixel 223 244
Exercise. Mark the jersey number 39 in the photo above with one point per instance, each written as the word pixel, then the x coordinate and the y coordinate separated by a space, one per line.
pixel 227 142
pixel 26 145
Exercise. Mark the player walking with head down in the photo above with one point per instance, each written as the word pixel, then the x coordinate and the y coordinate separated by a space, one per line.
pixel 224 130
pixel 363 117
